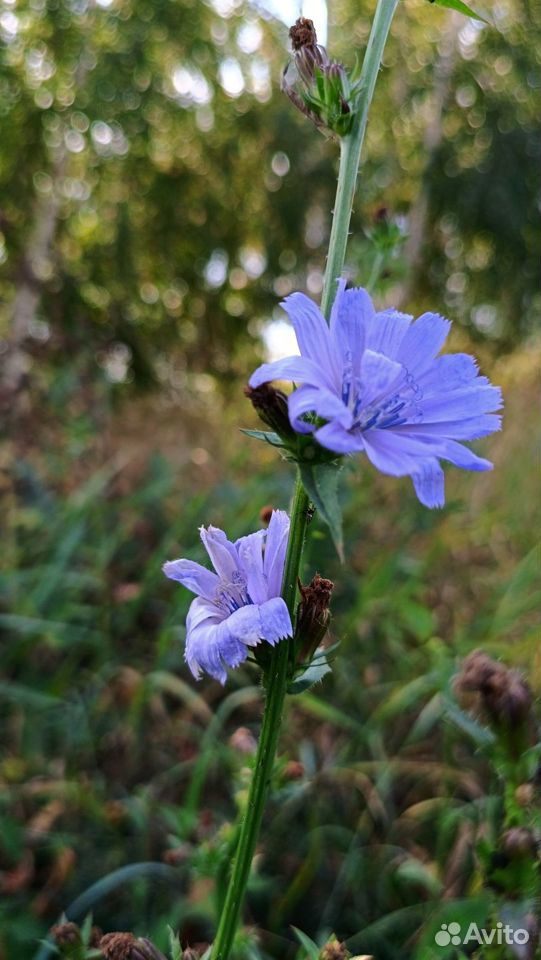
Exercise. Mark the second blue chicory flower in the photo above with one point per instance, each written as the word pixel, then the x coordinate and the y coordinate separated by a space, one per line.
pixel 239 605
pixel 374 383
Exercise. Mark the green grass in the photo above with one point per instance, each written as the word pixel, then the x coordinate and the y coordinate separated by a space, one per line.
pixel 119 781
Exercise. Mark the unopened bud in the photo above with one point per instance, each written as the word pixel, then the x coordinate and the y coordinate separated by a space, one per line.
pixel 265 515
pixel 525 794
pixel 313 616
pixel 271 407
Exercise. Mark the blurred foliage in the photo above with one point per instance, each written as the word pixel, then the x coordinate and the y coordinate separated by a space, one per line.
pixel 159 195
pixel 158 198
pixel 120 776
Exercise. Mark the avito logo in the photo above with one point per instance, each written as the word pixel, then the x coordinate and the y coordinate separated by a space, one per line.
pixel 451 933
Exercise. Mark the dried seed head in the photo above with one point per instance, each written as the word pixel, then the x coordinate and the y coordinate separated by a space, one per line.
pixel 334 951
pixel 504 694
pixel 95 936
pixel 317 86
pixel 313 615
pixel 195 952
pixel 302 33
pixel 65 934
pixel 124 946
pixel 150 952
pixel 117 946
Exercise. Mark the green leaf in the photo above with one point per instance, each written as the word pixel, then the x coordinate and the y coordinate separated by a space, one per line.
pixel 50 947
pixel 86 929
pixel 313 674
pixel 265 435
pixel 312 949
pixel 482 736
pixel 174 945
pixel 415 873
pixel 460 7
pixel 320 481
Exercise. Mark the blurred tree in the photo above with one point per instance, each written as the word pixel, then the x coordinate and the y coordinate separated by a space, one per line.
pixel 159 195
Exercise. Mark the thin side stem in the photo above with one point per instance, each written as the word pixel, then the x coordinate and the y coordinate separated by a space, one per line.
pixel 276 683
pixel 350 152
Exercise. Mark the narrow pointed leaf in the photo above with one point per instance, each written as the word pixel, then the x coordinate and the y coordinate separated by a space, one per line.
pixel 320 481
pixel 311 948
pixel 460 7
pixel 264 435
pixel 313 674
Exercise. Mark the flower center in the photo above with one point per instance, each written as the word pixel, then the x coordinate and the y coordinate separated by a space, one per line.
pixel 400 404
pixel 232 594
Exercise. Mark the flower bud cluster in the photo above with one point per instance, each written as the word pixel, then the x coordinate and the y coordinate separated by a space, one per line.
pixel 319 87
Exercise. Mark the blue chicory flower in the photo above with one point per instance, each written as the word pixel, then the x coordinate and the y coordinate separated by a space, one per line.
pixel 238 606
pixel 376 379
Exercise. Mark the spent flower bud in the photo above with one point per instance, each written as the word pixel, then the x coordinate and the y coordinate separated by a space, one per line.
pixel 318 86
pixel 124 946
pixel 271 407
pixel 265 515
pixel 313 615
pixel 334 950
pixel 505 695
pixel 65 935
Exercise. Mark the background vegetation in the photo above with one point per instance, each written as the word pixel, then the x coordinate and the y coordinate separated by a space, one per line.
pixel 158 198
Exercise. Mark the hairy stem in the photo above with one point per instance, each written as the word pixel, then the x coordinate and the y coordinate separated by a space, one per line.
pixel 275 681
pixel 276 676
pixel 350 152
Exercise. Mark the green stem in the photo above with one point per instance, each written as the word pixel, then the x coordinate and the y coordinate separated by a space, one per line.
pixel 377 266
pixel 276 676
pixel 350 152
pixel 276 682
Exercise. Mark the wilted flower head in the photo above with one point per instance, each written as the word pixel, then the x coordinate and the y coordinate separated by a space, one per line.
pixel 238 606
pixel 65 934
pixel 124 946
pixel 319 87
pixel 334 950
pixel 374 383
pixel 313 615
pixel 504 694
